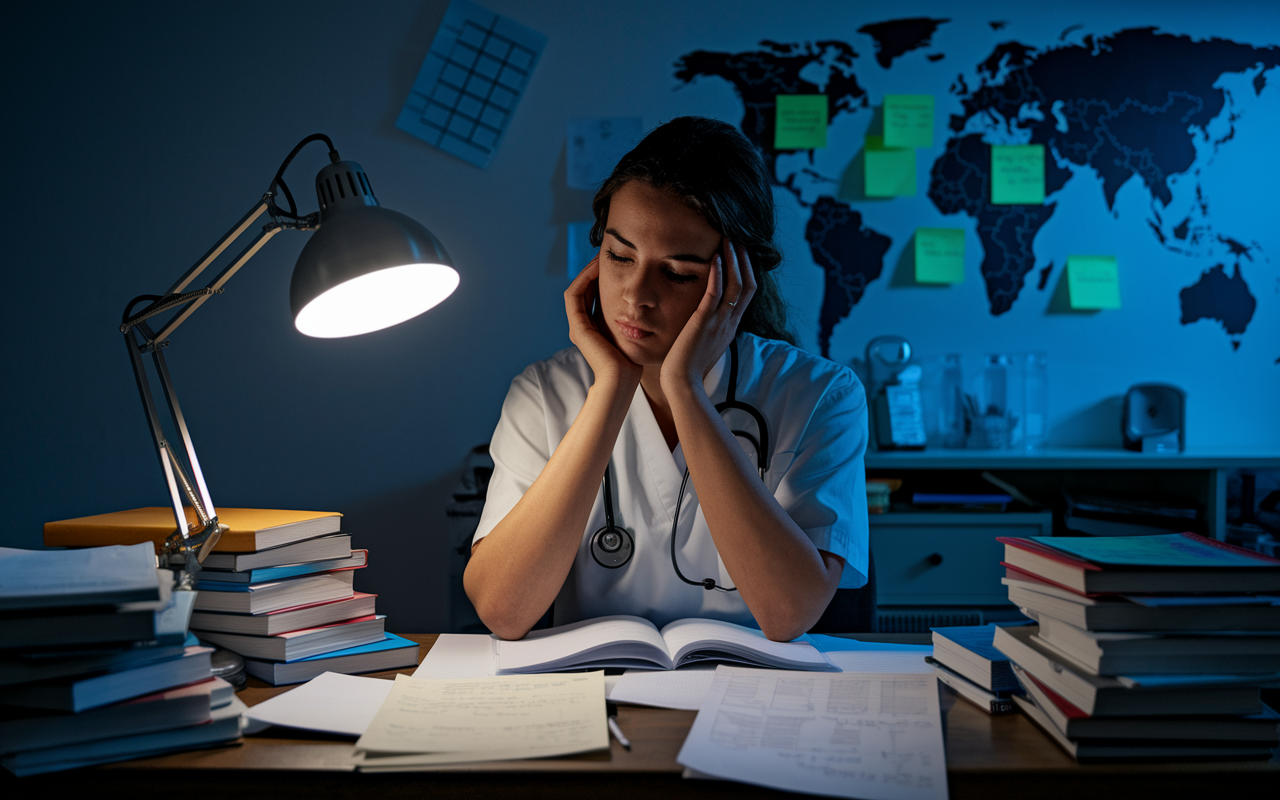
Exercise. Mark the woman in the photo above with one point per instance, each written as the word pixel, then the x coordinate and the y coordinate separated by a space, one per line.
pixel 685 229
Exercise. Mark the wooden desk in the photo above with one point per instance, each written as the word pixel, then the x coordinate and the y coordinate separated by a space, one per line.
pixel 987 757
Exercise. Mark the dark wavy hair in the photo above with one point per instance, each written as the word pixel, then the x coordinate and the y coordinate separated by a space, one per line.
pixel 716 171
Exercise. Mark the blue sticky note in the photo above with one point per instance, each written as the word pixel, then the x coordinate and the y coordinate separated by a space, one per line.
pixel 580 250
pixel 470 82
pixel 594 146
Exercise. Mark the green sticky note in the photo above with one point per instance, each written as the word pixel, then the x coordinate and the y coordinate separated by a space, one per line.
pixel 1017 174
pixel 801 122
pixel 890 172
pixel 908 120
pixel 939 255
pixel 1093 282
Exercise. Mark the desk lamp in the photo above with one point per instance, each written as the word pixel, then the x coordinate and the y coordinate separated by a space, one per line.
pixel 366 268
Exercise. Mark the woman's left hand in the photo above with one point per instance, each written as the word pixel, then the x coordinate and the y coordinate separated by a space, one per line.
pixel 707 334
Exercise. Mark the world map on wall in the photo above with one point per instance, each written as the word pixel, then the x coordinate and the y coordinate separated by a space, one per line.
pixel 1135 104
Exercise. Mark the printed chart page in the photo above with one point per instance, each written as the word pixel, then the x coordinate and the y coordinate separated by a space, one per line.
pixel 875 736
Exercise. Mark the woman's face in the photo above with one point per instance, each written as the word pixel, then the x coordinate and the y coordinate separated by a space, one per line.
pixel 654 263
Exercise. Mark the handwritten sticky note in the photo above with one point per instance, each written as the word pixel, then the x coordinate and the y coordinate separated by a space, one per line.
pixel 908 120
pixel 890 172
pixel 1017 174
pixel 1093 282
pixel 939 255
pixel 801 122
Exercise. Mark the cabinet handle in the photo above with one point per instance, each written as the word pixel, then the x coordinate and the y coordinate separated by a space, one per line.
pixel 935 559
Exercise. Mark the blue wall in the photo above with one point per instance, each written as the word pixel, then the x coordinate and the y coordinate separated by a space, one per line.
pixel 135 136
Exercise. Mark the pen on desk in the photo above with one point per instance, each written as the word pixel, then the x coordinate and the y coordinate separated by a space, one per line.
pixel 617 733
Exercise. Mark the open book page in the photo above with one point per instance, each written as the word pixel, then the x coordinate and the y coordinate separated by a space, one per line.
pixel 604 641
pixel 865 735
pixel 687 636
pixel 517 716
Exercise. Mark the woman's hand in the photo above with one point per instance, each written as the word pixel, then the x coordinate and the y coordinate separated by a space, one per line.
pixel 591 336
pixel 709 331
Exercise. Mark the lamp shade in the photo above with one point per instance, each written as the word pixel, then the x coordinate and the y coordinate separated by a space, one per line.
pixel 367 267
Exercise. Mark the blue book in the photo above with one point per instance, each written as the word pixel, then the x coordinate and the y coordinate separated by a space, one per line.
pixel 968 650
pixel 217 579
pixel 393 652
pixel 1174 550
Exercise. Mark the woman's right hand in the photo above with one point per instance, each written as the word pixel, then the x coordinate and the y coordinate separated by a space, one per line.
pixel 591 336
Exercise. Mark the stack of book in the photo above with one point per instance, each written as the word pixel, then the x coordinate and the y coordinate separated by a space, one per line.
pixel 965 660
pixel 277 589
pixel 1146 646
pixel 280 594
pixel 97 665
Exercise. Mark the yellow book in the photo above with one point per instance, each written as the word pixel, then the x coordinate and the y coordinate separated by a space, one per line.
pixel 251 528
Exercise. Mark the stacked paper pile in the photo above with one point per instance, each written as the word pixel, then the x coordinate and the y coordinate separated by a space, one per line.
pixel 1147 646
pixel 278 591
pixel 96 663
pixel 965 660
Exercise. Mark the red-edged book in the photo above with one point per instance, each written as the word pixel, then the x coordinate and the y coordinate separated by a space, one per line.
pixel 1176 563
pixel 1075 724
pixel 296 618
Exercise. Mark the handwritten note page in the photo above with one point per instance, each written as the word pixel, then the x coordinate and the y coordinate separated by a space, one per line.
pixel 866 735
pixel 505 716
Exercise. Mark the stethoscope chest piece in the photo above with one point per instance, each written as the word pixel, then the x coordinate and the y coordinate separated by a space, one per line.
pixel 612 546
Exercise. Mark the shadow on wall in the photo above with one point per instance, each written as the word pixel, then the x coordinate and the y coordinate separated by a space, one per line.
pixel 1095 426
pixel 407 535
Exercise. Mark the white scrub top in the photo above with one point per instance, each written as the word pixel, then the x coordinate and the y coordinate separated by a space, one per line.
pixel 817 415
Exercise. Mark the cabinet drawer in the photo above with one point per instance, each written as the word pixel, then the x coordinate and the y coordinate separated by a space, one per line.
pixel 945 559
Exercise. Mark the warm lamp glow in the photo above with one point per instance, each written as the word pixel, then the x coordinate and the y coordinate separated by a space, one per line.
pixel 377 300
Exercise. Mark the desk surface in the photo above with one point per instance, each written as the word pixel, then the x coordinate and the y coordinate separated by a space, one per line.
pixel 987 757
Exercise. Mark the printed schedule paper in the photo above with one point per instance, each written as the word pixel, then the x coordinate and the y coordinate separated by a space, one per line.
pixel 503 717
pixel 873 736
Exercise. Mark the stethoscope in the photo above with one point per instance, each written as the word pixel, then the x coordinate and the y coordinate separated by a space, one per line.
pixel 612 547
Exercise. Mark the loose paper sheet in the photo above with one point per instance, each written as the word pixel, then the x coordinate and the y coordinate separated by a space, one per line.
pixel 329 702
pixel 682 688
pixel 594 146
pixel 458 655
pixel 865 735
pixel 469 84
pixel 516 716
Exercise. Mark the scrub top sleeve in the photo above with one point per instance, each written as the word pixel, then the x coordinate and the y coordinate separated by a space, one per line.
pixel 824 488
pixel 519 449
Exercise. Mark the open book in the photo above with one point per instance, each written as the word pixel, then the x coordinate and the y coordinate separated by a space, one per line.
pixel 636 643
